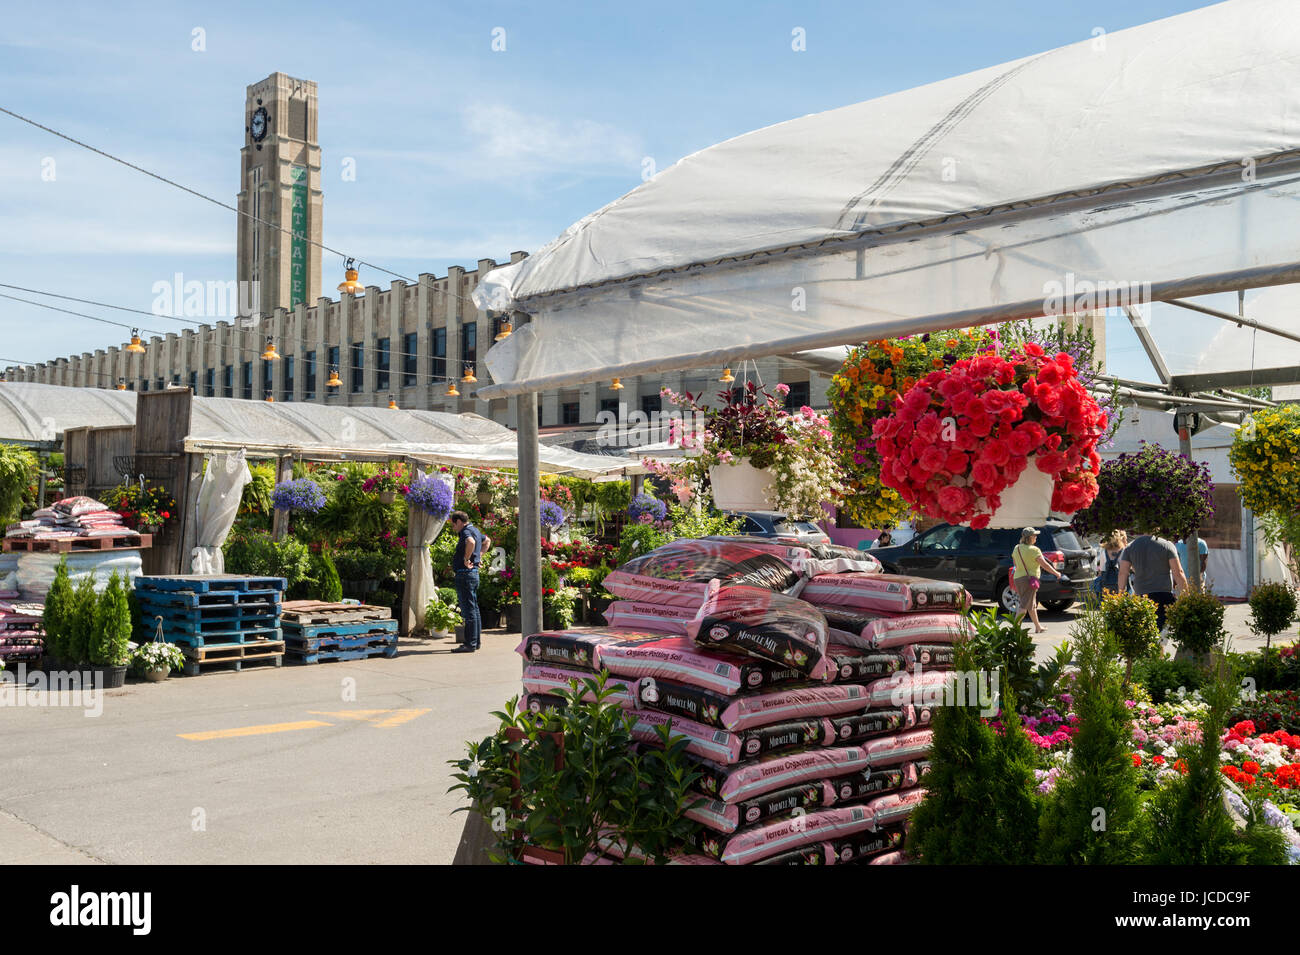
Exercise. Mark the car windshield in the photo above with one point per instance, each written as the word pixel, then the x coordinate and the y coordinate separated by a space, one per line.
pixel 797 527
pixel 1063 539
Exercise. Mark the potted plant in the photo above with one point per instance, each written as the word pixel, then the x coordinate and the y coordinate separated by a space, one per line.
pixel 108 643
pixel 559 607
pixel 551 516
pixel 143 508
pixel 512 606
pixel 1196 625
pixel 994 441
pixel 1272 608
pixel 753 453
pixel 1131 619
pixel 156 660
pixel 647 509
pixel 483 494
pixel 442 616
pixel 1151 492
pixel 535 780
pixel 55 619
pixel 386 484
pixel 431 495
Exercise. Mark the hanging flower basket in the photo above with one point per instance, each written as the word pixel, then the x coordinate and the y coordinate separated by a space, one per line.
pixel 303 495
pixel 432 495
pixel 961 439
pixel 387 497
pixel 741 487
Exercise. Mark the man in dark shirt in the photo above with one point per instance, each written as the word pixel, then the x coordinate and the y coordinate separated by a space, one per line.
pixel 1152 563
pixel 469 553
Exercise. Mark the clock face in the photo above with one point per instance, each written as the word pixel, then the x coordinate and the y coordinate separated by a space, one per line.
pixel 258 126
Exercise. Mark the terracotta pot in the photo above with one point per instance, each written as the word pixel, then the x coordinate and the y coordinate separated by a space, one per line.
pixel 741 487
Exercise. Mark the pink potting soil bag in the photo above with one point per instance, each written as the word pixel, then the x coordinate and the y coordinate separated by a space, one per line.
pixel 728 817
pixel 786 549
pixel 680 660
pixel 869 783
pixel 820 853
pixel 599 858
pixel 692 858
pixel 765 625
pixel 867 845
pixel 576 647
pixel 76 506
pixel 725 747
pixel 905 747
pixel 642 615
pixel 895 807
pixel 887 858
pixel 932 656
pixel 857 665
pixel 755 777
pixel 782 835
pixel 750 708
pixel 892 593
pixel 860 726
pixel 874 629
pixel 546 680
pixel 684 572
pixel 541 702
pixel 923 689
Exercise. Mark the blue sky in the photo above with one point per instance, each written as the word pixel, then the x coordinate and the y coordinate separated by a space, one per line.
pixel 461 152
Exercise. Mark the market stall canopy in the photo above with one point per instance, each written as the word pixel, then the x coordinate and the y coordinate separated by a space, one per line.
pixel 38 414
pixel 1162 161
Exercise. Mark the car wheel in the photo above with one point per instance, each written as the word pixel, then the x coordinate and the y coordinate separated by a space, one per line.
pixel 1008 599
pixel 1056 606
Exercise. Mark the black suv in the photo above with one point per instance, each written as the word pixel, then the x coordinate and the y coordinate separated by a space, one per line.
pixel 978 560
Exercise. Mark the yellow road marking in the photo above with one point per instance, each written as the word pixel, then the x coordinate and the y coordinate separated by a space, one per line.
pixel 254 730
pixel 398 717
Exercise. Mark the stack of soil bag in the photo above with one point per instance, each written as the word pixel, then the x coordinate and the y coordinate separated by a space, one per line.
pixel 806 715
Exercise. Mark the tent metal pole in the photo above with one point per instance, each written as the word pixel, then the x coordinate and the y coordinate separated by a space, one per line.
pixel 1238 320
pixel 530 525
pixel 1192 545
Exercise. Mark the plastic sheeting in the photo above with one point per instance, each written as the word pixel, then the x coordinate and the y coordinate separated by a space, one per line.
pixel 36 569
pixel 32 413
pixel 1161 161
pixel 421 531
pixel 216 509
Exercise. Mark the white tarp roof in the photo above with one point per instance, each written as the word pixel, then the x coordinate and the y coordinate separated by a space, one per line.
pixel 1166 154
pixel 33 412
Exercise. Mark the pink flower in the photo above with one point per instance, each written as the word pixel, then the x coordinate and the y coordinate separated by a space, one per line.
pixel 782 390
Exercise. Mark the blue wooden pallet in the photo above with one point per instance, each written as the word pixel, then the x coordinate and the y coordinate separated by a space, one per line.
pixel 207 583
pixel 233 655
pixel 321 656
pixel 224 612
pixel 334 642
pixel 201 601
pixel 312 631
pixel 212 624
pixel 210 638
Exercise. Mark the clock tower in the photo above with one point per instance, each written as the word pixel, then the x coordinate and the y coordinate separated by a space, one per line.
pixel 280 184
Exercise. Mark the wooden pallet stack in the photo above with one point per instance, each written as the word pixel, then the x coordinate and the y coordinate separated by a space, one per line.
pixel 315 631
pixel 21 638
pixel 68 545
pixel 226 620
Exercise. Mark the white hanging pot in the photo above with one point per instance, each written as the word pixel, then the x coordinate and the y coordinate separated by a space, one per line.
pixel 741 487
pixel 1026 503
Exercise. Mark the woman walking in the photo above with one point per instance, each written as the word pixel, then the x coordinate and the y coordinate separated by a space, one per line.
pixel 1028 563
pixel 1108 579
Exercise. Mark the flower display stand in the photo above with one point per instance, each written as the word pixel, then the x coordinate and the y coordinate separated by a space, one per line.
pixel 741 487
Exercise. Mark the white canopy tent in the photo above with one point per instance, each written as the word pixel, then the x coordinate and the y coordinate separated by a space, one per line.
pixel 1161 161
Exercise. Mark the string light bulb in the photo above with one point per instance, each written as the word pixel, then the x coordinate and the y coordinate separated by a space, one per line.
pixel 727 377
pixel 135 348
pixel 468 378
pixel 350 284
pixel 505 332
pixel 270 398
pixel 270 353
pixel 392 403
pixel 451 389
pixel 334 381
pixel 121 384
pixel 616 385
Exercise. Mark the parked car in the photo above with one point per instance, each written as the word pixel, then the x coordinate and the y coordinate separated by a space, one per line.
pixel 979 559
pixel 776 524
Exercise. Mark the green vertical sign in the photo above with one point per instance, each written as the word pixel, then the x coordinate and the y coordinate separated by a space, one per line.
pixel 298 250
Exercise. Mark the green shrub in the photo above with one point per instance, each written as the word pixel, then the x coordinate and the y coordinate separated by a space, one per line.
pixel 638 539
pixel 980 806
pixel 357 564
pixel 1131 620
pixel 1163 677
pixel 1091 817
pixel 1001 643
pixel 55 620
pixel 255 553
pixel 112 631
pixel 1269 668
pixel 81 620
pixel 329 586
pixel 18 470
pixel 1196 621
pixel 1272 608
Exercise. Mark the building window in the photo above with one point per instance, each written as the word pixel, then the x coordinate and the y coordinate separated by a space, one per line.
pixel 268 379
pixel 309 376
pixel 382 364
pixel 609 404
pixel 228 382
pixel 469 347
pixel 246 380
pixel 176 378
pixel 209 382
pixel 798 396
pixel 194 382
pixel 334 357
pixel 410 342
pixel 288 377
pixel 144 385
pixel 539 414
pixel 358 367
pixel 569 413
pixel 651 404
pixel 160 384
pixel 438 346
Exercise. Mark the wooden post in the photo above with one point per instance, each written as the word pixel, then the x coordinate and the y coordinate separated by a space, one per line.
pixel 280 522
pixel 406 619
pixel 1193 550
pixel 530 527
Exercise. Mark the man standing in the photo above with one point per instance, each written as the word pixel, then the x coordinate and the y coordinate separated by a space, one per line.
pixel 1202 548
pixel 469 553
pixel 1157 573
